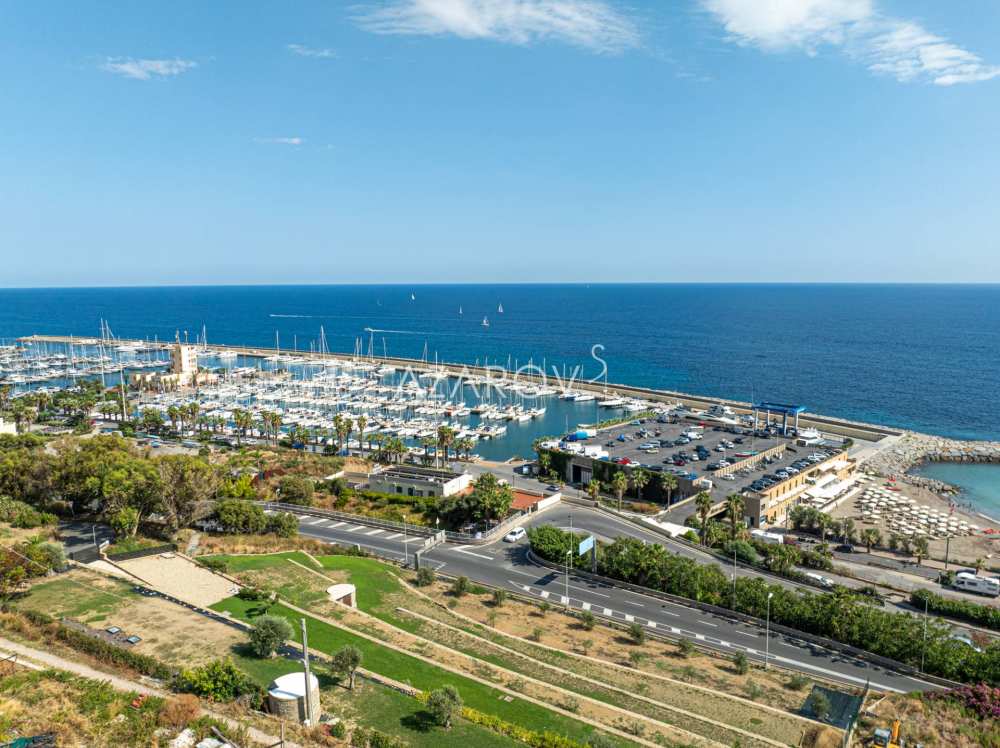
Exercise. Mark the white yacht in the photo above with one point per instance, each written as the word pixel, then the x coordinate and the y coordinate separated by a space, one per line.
pixel 721 414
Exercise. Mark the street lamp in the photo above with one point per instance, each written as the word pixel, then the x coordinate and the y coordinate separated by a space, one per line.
pixel 767 631
pixel 734 576
pixel 923 649
pixel 569 554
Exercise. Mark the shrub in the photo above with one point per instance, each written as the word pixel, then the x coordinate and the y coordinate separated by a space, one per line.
pixel 635 658
pixel 754 691
pixel 636 633
pixel 347 660
pixel 268 633
pixel 219 680
pixel 536 634
pixel 239 516
pixel 283 524
pixel 685 648
pixel 499 598
pixel 544 608
pixel 818 705
pixel 338 730
pixel 460 586
pixel 444 704
pixel 425 576
pixel 981 615
pixel 296 490
pixel 797 682
pixel 179 711
pixel 587 620
pixel 216 564
pixel 741 664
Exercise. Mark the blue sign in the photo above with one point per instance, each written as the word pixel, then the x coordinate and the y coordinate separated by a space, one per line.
pixel 585 545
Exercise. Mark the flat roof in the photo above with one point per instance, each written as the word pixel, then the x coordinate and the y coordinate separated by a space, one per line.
pixel 792 410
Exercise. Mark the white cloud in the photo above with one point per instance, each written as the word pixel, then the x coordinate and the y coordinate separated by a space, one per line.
pixel 592 24
pixel 281 141
pixel 143 70
pixel 890 46
pixel 303 51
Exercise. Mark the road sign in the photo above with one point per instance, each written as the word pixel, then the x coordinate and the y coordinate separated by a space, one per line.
pixel 585 545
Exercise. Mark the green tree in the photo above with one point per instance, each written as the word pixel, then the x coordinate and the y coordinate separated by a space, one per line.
pixel 444 705
pixel 920 549
pixel 219 680
pixel 594 489
pixel 668 482
pixel 125 522
pixel 640 479
pixel 445 437
pixel 734 507
pixel 294 489
pixel 619 484
pixel 269 632
pixel 283 524
pixel 241 516
pixel 347 660
pixel 493 498
pixel 870 537
pixel 703 503
pixel 187 482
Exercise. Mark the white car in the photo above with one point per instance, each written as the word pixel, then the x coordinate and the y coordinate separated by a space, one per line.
pixel 514 535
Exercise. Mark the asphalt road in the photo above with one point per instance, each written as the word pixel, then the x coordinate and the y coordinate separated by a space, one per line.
pixel 506 565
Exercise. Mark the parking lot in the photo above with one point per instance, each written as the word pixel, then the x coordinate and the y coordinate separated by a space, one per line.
pixel 686 449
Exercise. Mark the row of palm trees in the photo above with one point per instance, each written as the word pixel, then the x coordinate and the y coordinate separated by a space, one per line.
pixel 620 482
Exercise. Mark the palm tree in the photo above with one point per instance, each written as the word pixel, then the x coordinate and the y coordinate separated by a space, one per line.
pixel 920 549
pixel 668 481
pixel 619 484
pixel 703 502
pixel 980 563
pixel 640 478
pixel 445 435
pixel 594 489
pixel 824 521
pixel 6 391
pixel 193 408
pixel 847 530
pixel 870 537
pixel 174 414
pixel 427 442
pixel 362 422
pixel 735 506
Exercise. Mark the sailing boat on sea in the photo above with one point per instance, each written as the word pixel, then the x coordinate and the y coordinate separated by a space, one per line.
pixel 460 311
pixel 486 322
pixel 413 297
pixel 500 309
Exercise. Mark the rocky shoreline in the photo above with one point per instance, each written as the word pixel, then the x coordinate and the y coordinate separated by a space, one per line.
pixel 914 449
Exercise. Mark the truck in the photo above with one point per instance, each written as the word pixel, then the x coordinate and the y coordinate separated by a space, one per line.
pixel 968 582
pixel 771 538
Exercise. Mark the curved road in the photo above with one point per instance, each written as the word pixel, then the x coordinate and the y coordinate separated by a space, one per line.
pixel 505 565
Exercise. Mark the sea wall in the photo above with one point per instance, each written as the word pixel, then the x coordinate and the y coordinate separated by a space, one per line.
pixel 914 449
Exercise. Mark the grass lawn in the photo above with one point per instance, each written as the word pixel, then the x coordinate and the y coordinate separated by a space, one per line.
pixel 127 545
pixel 237 563
pixel 417 673
pixel 64 598
pixel 372 578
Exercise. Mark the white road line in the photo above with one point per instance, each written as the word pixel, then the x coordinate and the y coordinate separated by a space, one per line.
pixel 523 573
pixel 563 600
pixel 544 593
pixel 414 540
pixel 354 529
pixel 393 536
pixel 339 524
pixel 629 602
pixel 629 618
pixel 608 611
pixel 461 549
pixel 700 637
pixel 586 606
pixel 706 623
pixel 651 624
pixel 373 532
pixel 589 591
pixel 748 633
pixel 316 521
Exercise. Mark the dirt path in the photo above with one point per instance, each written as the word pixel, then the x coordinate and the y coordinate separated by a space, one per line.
pixel 124 684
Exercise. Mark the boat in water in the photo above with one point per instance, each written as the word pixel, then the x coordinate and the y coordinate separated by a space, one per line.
pixel 486 322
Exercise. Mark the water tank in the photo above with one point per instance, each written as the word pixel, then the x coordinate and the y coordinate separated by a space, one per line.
pixel 286 697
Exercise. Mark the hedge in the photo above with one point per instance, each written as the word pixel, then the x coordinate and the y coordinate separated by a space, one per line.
pixel 982 615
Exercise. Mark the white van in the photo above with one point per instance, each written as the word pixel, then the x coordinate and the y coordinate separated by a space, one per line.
pixel 820 580
pixel 980 585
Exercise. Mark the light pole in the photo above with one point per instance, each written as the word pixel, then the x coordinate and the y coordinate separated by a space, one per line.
pixel 406 555
pixel 569 554
pixel 734 576
pixel 947 550
pixel 767 631
pixel 923 648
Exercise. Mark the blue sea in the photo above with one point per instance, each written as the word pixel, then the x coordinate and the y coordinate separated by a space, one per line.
pixel 917 356
pixel 980 483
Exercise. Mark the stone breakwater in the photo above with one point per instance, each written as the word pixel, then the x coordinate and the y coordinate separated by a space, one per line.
pixel 912 449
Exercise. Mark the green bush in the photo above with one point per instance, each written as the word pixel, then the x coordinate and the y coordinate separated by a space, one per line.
pixel 741 664
pixel 460 586
pixel 239 516
pixel 499 598
pixel 425 576
pixel 219 680
pixel 283 524
pixel 268 634
pixel 294 489
pixel 444 704
pixel 964 610
pixel 685 648
pixel 637 633
pixel 587 620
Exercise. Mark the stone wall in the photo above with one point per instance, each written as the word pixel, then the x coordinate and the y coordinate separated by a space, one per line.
pixel 914 448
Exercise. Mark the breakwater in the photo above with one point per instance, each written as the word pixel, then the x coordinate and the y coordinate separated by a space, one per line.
pixel 914 449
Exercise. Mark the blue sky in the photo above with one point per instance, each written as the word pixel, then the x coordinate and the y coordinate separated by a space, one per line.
pixel 499 140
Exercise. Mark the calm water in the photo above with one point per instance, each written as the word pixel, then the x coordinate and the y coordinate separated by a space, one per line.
pixel 980 484
pixel 922 357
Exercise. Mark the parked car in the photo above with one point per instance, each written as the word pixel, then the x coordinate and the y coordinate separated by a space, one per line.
pixel 514 535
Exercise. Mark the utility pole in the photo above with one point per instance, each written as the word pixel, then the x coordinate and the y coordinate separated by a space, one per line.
pixel 923 648
pixel 767 634
pixel 305 666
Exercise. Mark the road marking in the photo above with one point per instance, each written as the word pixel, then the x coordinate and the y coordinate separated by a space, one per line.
pixel 748 633
pixel 523 573
pixel 563 600
pixel 373 532
pixel 354 529
pixel 629 618
pixel 339 524
pixel 461 549
pixel 413 540
pixel 316 521
pixel 674 630
pixel 700 637
pixel 544 593
pixel 638 605
pixel 706 623
pixel 393 536
pixel 608 612
pixel 651 624
pixel 586 606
